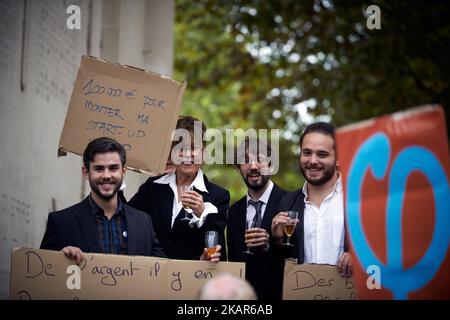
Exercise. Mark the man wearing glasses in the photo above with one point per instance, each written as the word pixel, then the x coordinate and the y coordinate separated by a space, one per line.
pixel 249 220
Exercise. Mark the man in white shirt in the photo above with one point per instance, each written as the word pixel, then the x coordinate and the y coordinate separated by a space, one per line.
pixel 320 233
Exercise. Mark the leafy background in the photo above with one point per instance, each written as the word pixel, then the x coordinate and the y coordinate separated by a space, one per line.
pixel 284 64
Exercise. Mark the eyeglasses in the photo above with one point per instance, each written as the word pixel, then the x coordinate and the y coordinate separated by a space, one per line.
pixel 261 159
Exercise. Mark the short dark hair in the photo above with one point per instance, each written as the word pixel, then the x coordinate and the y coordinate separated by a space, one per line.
pixel 319 127
pixel 188 123
pixel 265 146
pixel 103 145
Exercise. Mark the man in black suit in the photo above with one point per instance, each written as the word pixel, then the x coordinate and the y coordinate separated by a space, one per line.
pixel 320 233
pixel 181 219
pixel 101 223
pixel 256 211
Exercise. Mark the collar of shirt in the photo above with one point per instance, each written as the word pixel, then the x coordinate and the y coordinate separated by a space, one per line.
pixel 265 196
pixel 198 183
pixel 95 207
pixel 251 211
pixel 324 230
pixel 336 189
pixel 170 179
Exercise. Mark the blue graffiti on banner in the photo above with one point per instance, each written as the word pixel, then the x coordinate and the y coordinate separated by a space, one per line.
pixel 375 153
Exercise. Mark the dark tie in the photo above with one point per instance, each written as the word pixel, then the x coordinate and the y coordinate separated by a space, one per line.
pixel 257 218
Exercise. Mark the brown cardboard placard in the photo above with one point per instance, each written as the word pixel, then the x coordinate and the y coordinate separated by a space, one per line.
pixel 137 108
pixel 38 274
pixel 316 282
pixel 186 277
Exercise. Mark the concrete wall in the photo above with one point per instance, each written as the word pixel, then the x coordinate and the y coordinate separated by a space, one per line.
pixel 39 58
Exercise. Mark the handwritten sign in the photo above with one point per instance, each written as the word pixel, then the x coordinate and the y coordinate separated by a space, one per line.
pixel 316 282
pixel 137 108
pixel 43 274
pixel 186 276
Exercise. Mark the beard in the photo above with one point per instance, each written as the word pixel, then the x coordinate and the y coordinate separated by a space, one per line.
pixel 97 191
pixel 257 185
pixel 328 173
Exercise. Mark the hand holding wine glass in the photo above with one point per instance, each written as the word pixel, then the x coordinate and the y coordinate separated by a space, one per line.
pixel 289 226
pixel 257 238
pixel 211 241
pixel 277 229
pixel 248 225
pixel 192 201
pixel 187 210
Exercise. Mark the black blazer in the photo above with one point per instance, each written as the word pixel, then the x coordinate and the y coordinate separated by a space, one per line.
pixel 75 226
pixel 181 241
pixel 261 270
pixel 295 201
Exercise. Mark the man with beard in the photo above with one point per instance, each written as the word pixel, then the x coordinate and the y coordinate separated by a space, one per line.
pixel 101 223
pixel 249 221
pixel 319 236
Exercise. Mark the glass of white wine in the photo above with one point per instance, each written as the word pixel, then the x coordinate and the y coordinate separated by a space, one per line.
pixel 248 225
pixel 187 210
pixel 289 227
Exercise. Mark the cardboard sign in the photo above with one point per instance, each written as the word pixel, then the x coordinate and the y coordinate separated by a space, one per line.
pixel 137 108
pixel 43 274
pixel 396 173
pixel 186 277
pixel 315 282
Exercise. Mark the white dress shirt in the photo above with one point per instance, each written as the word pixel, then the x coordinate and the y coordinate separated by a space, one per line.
pixel 324 227
pixel 199 184
pixel 251 210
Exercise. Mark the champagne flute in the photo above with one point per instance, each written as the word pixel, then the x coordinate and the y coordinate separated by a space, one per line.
pixel 248 225
pixel 289 227
pixel 211 241
pixel 186 208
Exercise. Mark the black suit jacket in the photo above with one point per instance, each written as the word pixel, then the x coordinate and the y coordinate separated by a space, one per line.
pixel 75 226
pixel 295 201
pixel 181 241
pixel 261 270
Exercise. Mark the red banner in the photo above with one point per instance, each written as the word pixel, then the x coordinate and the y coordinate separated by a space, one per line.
pixel 396 173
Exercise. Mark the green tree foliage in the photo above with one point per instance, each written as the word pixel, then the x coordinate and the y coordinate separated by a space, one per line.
pixel 281 64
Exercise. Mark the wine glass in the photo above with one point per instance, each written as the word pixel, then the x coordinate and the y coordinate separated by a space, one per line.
pixel 187 210
pixel 289 227
pixel 211 241
pixel 248 225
